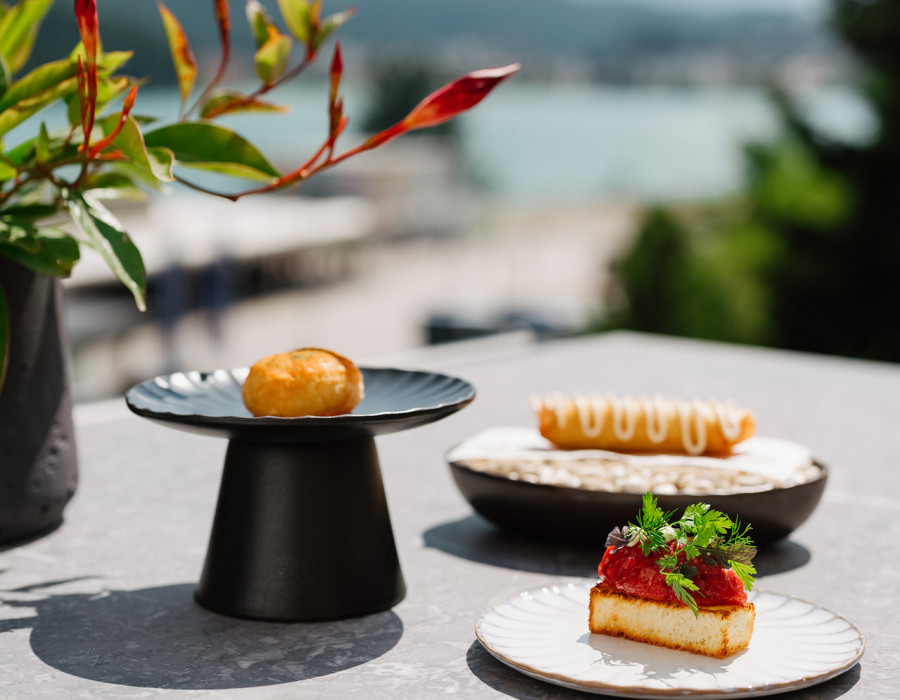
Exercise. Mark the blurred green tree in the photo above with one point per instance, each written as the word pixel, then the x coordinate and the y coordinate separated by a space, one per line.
pixel 810 258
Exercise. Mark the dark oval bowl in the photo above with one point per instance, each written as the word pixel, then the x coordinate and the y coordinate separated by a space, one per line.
pixel 584 516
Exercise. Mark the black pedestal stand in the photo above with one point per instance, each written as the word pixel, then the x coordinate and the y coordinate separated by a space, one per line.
pixel 301 532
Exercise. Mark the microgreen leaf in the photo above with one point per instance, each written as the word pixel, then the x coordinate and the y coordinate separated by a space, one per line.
pixel 617 538
pixel 681 585
pixel 744 572
pixel 650 523
pixel 701 533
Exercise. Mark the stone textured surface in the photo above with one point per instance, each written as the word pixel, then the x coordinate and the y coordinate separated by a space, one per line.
pixel 102 607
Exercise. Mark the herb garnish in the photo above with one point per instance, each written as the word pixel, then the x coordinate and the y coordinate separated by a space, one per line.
pixel 701 532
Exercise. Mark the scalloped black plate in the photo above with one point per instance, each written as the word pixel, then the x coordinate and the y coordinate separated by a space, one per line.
pixel 210 403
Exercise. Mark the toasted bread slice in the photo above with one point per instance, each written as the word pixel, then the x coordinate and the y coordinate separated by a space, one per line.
pixel 719 630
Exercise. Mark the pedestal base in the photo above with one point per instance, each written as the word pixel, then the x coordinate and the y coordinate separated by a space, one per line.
pixel 301 533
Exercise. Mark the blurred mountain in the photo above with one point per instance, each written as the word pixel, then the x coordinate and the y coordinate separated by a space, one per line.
pixel 451 32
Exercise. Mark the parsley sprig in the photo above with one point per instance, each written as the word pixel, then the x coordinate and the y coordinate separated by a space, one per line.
pixel 701 532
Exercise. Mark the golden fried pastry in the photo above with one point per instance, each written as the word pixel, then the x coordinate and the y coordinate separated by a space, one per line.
pixel 641 425
pixel 304 382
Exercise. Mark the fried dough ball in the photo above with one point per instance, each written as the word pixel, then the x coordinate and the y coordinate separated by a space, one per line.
pixel 304 382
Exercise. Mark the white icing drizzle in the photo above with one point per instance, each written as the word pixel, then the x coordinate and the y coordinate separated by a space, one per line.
pixel 558 403
pixel 655 410
pixel 729 418
pixel 686 411
pixel 624 417
pixel 591 413
pixel 658 412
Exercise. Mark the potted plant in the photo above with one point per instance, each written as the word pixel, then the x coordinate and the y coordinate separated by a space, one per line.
pixel 53 185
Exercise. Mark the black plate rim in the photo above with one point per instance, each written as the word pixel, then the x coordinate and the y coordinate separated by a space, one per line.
pixel 467 395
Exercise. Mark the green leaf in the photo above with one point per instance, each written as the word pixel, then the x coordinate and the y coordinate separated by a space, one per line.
pixel 25 108
pixel 36 81
pixel 46 250
pixel 131 143
pixel 113 185
pixel 42 145
pixel 61 147
pixel 272 57
pixel 297 16
pixel 28 211
pixel 650 522
pixel 162 163
pixel 4 337
pixel 212 147
pixel 108 89
pixel 18 30
pixel 682 586
pixel 22 152
pixel 180 48
pixel 259 22
pixel 701 532
pixel 226 101
pixel 110 62
pixel 7 169
pixel 5 77
pixel 329 25
pixel 106 234
pixel 12 231
pixel 73 110
pixel 744 572
pixel 106 62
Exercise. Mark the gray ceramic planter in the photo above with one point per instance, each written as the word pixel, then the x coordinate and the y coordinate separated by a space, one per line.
pixel 38 463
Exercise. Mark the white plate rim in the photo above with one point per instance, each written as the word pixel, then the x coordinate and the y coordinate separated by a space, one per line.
pixel 651 693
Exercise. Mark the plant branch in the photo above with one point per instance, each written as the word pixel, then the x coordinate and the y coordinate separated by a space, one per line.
pixel 224 21
pixel 288 76
pixel 204 190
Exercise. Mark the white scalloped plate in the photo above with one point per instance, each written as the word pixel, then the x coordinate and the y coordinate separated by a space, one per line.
pixel 544 634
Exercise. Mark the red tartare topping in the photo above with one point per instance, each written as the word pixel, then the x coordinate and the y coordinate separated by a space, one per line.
pixel 628 570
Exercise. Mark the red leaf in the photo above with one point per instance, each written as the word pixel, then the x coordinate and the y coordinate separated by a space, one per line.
pixel 182 56
pixel 127 106
pixel 223 19
pixel 337 70
pixel 447 102
pixel 336 119
pixel 456 97
pixel 89 28
pixel 227 102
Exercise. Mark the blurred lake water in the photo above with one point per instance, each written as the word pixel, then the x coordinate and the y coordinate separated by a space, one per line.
pixel 577 142
pixel 545 143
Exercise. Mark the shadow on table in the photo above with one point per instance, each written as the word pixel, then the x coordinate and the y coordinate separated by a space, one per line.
pixel 476 539
pixel 517 685
pixel 780 557
pixel 160 638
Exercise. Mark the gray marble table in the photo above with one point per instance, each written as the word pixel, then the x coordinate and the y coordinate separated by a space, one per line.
pixel 102 607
